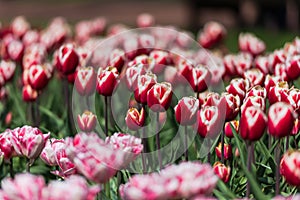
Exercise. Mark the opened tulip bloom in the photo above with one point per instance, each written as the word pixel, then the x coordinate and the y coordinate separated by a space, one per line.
pixel 87 121
pixel 159 97
pixel 135 119
pixel 222 171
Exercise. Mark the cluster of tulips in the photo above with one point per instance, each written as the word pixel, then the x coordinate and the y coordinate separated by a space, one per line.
pixel 256 113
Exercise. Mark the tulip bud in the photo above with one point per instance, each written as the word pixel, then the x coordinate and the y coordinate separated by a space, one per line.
pixel 293 68
pixel 29 94
pixel 262 63
pixel 145 20
pixel 199 78
pixel 229 65
pixel 144 84
pixel 278 57
pixel 293 99
pixel 85 81
pixel 117 59
pixel 279 92
pixel 228 128
pixel 222 171
pixel 30 37
pixel 271 81
pixel 232 105
pixel 252 123
pixel 251 44
pixel 161 59
pixel 281 71
pixel 7 69
pixel 281 119
pixel 15 50
pixel 8 118
pixel 238 87
pixel 67 59
pixel 34 54
pixel 135 119
pixel 28 141
pixel 209 122
pixel 257 91
pixel 213 32
pixel 289 167
pixel 227 151
pixel 242 62
pixel 132 73
pixel 186 111
pixel 254 101
pixel 107 81
pixel 87 121
pixel 255 77
pixel 147 62
pixel 159 97
pixel 39 75
pixel 6 147
pixel 19 26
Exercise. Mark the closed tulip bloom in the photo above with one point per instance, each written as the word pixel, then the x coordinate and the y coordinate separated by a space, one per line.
pixel 30 37
pixel 23 187
pixel 6 147
pixel 222 171
pixel 7 69
pixel 262 63
pixel 87 121
pixel 254 101
pixel 107 81
pixel 253 122
pixel 39 76
pixel 228 130
pixel 85 82
pixel 227 151
pixel 279 92
pixel 145 20
pixel 199 78
pixel 213 32
pixel 117 59
pixel 29 94
pixel 281 119
pixel 232 105
pixel 131 76
pixel 238 87
pixel 255 77
pixel 20 26
pixel 242 62
pixel 161 58
pixel 271 81
pixel 159 97
pixel 251 44
pixel 281 71
pixel 186 111
pixel 135 119
pixel 144 84
pixel 209 122
pixel 28 141
pixel 290 167
pixel 15 50
pixel 67 59
pixel 293 99
pixel 257 91
pixel 76 187
pixel 293 68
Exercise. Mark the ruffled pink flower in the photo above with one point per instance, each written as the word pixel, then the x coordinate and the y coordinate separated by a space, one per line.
pixel 183 181
pixel 23 187
pixel 75 187
pixel 28 141
pixel 6 147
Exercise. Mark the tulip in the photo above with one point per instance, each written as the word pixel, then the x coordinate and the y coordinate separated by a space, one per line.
pixel 238 87
pixel 34 54
pixel 228 128
pixel 242 62
pixel 85 81
pixel 135 119
pixel 48 155
pixel 232 106
pixel 15 50
pixel 147 62
pixel 30 37
pixel 76 187
pixel 279 92
pixel 293 68
pixel 199 78
pixel 23 186
pixel 186 111
pixel 6 147
pixel 262 63
pixel 117 59
pixel 29 94
pixel 8 118
pixel 146 42
pixel 255 76
pixel 67 59
pixel 252 123
pixel 161 58
pixel 252 44
pixel 159 97
pixel 19 26
pixel 209 122
pixel 132 73
pixel 213 32
pixel 222 171
pixel 28 141
pixel 144 84
pixel 227 151
pixel 278 57
pixel 7 69
pixel 281 71
pixel 107 81
pixel 229 65
pixel 290 166
pixel 257 91
pixel 281 119
pixel 39 75
pixel 145 20
pixel 254 101
pixel 271 81
pixel 87 121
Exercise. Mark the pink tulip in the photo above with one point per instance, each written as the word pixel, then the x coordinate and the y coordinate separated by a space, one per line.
pixel 144 84
pixel 159 97
pixel 222 171
pixel 85 82
pixel 251 44
pixel 186 110
pixel 7 69
pixel 107 81
pixel 28 141
pixel 20 26
pixel 48 155
pixel 6 147
pixel 87 121
pixel 290 166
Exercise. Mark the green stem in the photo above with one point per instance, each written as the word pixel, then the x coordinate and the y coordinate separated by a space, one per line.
pixel 186 153
pixel 277 158
pixel 158 141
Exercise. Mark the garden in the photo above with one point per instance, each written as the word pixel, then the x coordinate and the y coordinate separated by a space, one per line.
pixel 95 110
